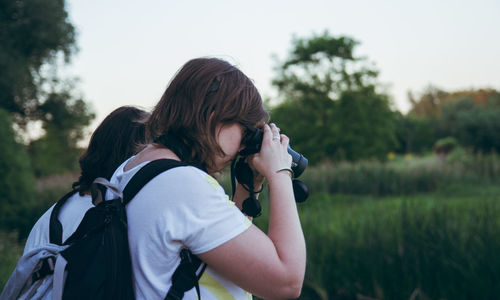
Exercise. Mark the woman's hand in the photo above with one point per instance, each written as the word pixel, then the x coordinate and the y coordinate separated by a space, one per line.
pixel 268 265
pixel 273 155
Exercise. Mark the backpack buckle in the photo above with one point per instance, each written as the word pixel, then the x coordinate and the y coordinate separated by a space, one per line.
pixel 47 267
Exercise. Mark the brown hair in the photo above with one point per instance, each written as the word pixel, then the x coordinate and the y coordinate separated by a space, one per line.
pixel 205 92
pixel 120 135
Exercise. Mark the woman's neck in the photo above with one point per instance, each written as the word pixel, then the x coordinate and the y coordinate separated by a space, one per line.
pixel 150 153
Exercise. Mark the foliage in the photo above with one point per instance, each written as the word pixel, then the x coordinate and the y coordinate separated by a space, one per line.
pixel 402 176
pixel 63 121
pixel 474 126
pixel 441 246
pixel 430 102
pixel 32 32
pixel 445 145
pixel 330 107
pixel 414 134
pixel 16 180
pixel 10 252
pixel 435 243
pixel 48 190
pixel 35 35
pixel 366 125
pixel 472 117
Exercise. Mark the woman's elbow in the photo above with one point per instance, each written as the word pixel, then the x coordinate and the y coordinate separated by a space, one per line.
pixel 293 288
pixel 288 287
pixel 294 292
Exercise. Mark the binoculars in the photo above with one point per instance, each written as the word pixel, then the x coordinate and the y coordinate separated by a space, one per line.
pixel 253 142
pixel 244 175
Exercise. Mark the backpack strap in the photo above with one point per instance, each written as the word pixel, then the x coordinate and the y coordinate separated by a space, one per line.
pixel 184 277
pixel 145 174
pixel 55 226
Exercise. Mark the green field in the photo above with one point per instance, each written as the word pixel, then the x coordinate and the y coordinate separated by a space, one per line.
pixel 442 245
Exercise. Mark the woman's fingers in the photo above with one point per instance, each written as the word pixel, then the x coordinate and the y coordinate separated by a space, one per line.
pixel 285 140
pixel 273 155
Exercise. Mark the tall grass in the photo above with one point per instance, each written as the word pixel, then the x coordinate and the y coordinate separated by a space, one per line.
pixel 413 228
pixel 443 246
pixel 403 176
pixel 10 252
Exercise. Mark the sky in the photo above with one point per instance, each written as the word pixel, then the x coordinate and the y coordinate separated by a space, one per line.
pixel 129 50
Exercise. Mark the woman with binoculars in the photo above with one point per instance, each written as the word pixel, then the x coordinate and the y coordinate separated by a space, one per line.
pixel 199 121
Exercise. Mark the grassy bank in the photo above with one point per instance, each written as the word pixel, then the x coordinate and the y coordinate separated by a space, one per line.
pixel 443 245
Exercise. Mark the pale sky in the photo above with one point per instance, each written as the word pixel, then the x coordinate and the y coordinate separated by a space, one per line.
pixel 129 50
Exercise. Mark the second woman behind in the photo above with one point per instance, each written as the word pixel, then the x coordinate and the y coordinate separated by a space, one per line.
pixel 121 134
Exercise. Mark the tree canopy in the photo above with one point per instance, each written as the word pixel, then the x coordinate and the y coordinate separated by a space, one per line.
pixel 472 117
pixel 33 33
pixel 330 106
pixel 64 119
pixel 35 36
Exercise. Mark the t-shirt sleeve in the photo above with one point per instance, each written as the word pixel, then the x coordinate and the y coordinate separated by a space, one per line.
pixel 39 234
pixel 205 216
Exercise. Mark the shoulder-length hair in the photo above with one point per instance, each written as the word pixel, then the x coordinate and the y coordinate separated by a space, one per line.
pixel 204 93
pixel 119 136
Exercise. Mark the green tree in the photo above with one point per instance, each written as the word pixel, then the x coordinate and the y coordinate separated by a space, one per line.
pixel 472 117
pixel 474 126
pixel 329 104
pixel 16 179
pixel 32 34
pixel 63 121
pixel 35 35
pixel 415 134
pixel 366 125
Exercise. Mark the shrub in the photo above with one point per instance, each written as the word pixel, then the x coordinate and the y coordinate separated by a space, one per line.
pixel 16 180
pixel 401 176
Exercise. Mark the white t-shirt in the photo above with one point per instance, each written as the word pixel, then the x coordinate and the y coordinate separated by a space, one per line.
pixel 181 208
pixel 70 216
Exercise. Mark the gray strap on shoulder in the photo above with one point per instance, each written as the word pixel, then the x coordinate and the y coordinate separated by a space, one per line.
pixel 59 278
pixel 98 195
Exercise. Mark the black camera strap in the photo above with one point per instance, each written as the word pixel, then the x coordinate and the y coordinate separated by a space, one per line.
pixel 241 171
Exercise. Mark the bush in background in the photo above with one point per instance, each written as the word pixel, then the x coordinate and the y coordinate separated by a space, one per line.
pixel 16 179
pixel 403 175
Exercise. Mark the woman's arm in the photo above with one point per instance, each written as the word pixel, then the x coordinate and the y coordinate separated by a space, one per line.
pixel 272 265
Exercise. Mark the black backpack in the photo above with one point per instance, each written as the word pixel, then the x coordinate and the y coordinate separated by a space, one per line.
pixel 95 261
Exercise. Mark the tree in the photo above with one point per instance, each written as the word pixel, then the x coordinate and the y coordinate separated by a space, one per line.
pixel 415 134
pixel 367 125
pixel 35 36
pixel 16 179
pixel 429 103
pixel 472 117
pixel 329 104
pixel 474 126
pixel 33 33
pixel 432 99
pixel 63 121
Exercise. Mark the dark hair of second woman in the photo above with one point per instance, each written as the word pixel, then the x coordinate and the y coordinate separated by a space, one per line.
pixel 120 135
pixel 205 92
